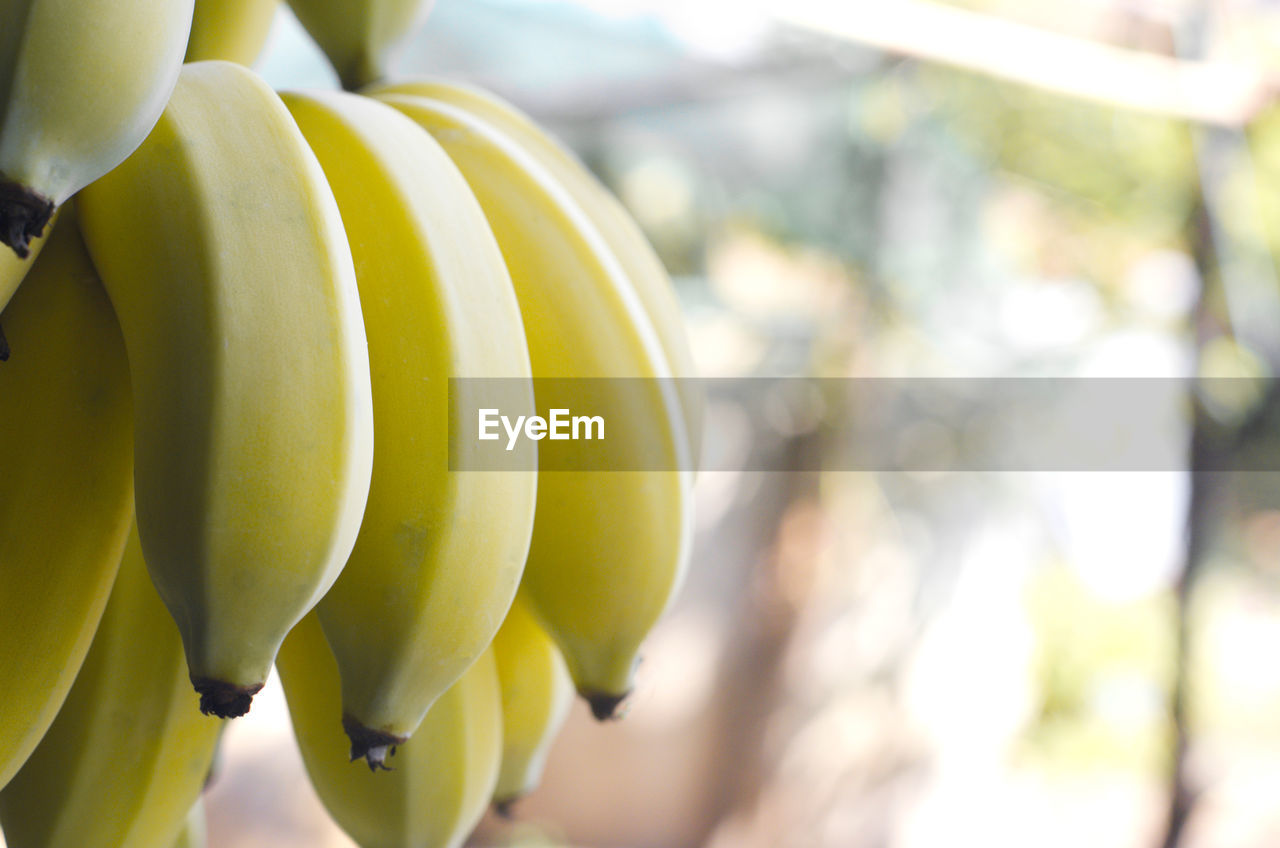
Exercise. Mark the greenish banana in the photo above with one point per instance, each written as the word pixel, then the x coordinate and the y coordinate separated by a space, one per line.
pixel 222 249
pixel 82 82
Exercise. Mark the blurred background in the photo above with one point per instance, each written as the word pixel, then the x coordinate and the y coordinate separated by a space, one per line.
pixel 901 189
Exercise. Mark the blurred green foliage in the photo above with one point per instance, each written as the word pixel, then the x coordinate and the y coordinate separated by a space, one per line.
pixel 1130 170
pixel 1102 670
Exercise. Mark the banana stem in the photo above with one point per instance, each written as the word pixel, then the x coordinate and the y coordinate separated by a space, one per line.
pixel 373 745
pixel 604 706
pixel 363 72
pixel 24 213
pixel 222 699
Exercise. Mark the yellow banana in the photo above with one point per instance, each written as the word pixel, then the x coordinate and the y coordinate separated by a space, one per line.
pixel 443 778
pixel 609 548
pixel 128 753
pixel 81 84
pixel 536 695
pixel 620 231
pixel 440 553
pixel 195 830
pixel 359 36
pixel 235 30
pixel 223 252
pixel 67 458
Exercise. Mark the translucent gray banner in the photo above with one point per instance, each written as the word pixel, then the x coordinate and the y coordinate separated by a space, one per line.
pixel 754 424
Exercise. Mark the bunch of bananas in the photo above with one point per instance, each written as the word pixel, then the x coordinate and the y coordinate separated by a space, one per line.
pixel 233 320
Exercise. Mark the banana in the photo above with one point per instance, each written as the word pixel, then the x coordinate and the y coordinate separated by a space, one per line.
pixel 536 695
pixel 66 454
pixel 235 30
pixel 443 777
pixel 619 230
pixel 440 553
pixel 128 753
pixel 222 249
pixel 81 84
pixel 195 830
pixel 12 271
pixel 609 548
pixel 359 36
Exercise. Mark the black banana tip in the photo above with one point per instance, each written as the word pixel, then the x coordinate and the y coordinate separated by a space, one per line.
pixel 374 746
pixel 24 213
pixel 222 699
pixel 604 705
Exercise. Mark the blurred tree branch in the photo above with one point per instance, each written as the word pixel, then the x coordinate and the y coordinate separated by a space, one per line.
pixel 751 689
pixel 1205 454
